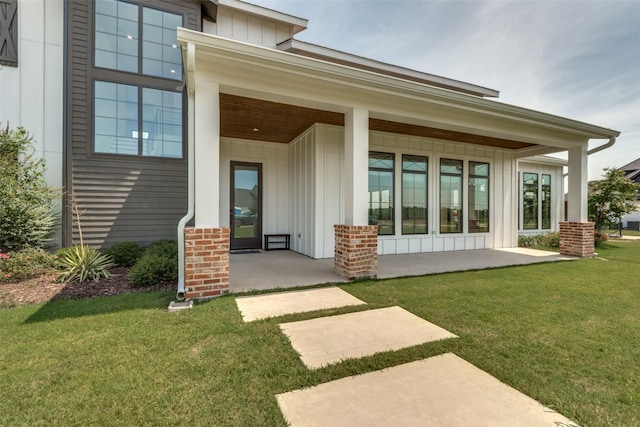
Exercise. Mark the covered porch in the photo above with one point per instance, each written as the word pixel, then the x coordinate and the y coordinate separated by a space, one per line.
pixel 288 269
pixel 308 128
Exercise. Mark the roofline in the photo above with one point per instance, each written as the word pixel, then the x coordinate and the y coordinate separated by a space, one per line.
pixel 311 67
pixel 545 160
pixel 299 24
pixel 332 55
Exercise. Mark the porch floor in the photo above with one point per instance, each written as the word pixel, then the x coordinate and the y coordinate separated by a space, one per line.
pixel 288 269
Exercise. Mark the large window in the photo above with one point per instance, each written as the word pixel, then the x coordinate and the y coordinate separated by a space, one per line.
pixel 530 201
pixel 478 197
pixel 137 110
pixel 414 194
pixel 119 128
pixel 381 192
pixel 451 220
pixel 546 201
pixel 122 44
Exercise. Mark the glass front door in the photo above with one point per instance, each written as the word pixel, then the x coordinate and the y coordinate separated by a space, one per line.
pixel 246 205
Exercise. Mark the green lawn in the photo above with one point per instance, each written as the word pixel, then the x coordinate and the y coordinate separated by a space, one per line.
pixel 567 334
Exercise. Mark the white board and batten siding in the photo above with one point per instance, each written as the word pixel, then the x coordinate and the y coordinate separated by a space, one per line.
pixel 244 27
pixel 274 159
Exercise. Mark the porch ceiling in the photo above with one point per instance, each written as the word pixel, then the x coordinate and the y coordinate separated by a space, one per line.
pixel 260 120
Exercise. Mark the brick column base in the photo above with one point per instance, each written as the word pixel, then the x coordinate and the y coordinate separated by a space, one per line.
pixel 206 252
pixel 356 251
pixel 576 238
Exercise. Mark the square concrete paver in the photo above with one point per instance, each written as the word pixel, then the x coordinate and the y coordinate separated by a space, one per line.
pixel 331 339
pixel 440 391
pixel 281 303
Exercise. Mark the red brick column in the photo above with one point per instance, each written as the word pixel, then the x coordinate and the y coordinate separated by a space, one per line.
pixel 206 252
pixel 356 251
pixel 576 238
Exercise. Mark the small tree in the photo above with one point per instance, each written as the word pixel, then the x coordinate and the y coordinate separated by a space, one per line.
pixel 26 214
pixel 611 198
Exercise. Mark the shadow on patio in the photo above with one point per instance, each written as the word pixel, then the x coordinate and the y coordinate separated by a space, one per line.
pixel 287 269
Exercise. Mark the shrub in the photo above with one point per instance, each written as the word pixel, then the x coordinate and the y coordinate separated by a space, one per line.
pixel 153 269
pixel 26 214
pixel 599 237
pixel 531 241
pixel 125 254
pixel 163 248
pixel 551 240
pixel 26 264
pixel 82 262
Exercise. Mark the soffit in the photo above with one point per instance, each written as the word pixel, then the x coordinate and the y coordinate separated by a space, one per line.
pixel 281 123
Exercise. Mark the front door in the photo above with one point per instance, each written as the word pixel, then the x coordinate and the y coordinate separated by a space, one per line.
pixel 246 205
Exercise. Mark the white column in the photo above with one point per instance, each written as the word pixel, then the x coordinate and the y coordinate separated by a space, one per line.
pixel 577 209
pixel 356 166
pixel 207 152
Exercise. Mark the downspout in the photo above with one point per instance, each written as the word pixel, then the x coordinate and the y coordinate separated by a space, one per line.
pixel 612 141
pixel 191 156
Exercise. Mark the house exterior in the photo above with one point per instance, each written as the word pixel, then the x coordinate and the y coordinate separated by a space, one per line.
pixel 632 171
pixel 209 120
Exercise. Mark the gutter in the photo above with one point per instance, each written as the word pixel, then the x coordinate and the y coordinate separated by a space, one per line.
pixel 191 157
pixel 612 141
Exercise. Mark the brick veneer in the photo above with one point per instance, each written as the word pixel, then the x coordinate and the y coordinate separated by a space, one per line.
pixel 206 252
pixel 576 238
pixel 356 251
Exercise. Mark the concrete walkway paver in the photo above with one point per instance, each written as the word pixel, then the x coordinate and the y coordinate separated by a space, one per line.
pixel 281 303
pixel 440 391
pixel 328 340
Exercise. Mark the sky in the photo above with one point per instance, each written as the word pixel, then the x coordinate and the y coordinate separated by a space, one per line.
pixel 573 58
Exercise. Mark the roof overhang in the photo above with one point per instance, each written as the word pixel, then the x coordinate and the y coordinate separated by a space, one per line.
pixel 257 72
pixel 338 57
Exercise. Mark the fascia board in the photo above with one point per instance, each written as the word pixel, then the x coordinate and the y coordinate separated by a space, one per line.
pixel 545 160
pixel 298 24
pixel 295 46
pixel 258 56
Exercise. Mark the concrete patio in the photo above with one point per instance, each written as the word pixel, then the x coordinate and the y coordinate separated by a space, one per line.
pixel 287 269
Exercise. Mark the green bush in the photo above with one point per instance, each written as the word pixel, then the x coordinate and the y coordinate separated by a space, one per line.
pixel 551 240
pixel 26 264
pixel 80 262
pixel 599 237
pixel 26 214
pixel 531 241
pixel 124 254
pixel 153 269
pixel 164 248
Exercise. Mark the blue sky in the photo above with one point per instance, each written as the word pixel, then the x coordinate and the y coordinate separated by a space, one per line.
pixel 574 58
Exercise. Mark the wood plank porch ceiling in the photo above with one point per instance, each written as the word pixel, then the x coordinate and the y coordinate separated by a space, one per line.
pixel 259 120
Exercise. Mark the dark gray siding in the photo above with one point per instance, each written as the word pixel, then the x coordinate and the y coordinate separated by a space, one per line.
pixel 9 32
pixel 119 197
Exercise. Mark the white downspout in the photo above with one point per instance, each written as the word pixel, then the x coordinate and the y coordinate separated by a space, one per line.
pixel 191 156
pixel 612 141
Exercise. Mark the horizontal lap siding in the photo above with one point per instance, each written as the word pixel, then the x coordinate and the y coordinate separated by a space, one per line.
pixel 119 197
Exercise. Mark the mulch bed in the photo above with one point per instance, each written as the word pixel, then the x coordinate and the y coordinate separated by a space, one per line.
pixel 44 288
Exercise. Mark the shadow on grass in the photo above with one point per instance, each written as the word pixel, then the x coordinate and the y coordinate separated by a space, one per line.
pixel 64 308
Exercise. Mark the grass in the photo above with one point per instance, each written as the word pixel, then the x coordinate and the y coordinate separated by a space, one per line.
pixel 565 333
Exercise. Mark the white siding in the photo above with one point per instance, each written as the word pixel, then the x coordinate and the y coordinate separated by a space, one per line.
pixel 31 95
pixel 302 190
pixel 275 180
pixel 248 28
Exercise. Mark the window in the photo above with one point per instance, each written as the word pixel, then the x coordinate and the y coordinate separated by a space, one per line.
pixel 137 110
pixel 414 194
pixel 478 197
pixel 530 201
pixel 119 128
pixel 451 196
pixel 546 201
pixel 381 192
pixel 9 32
pixel 119 41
